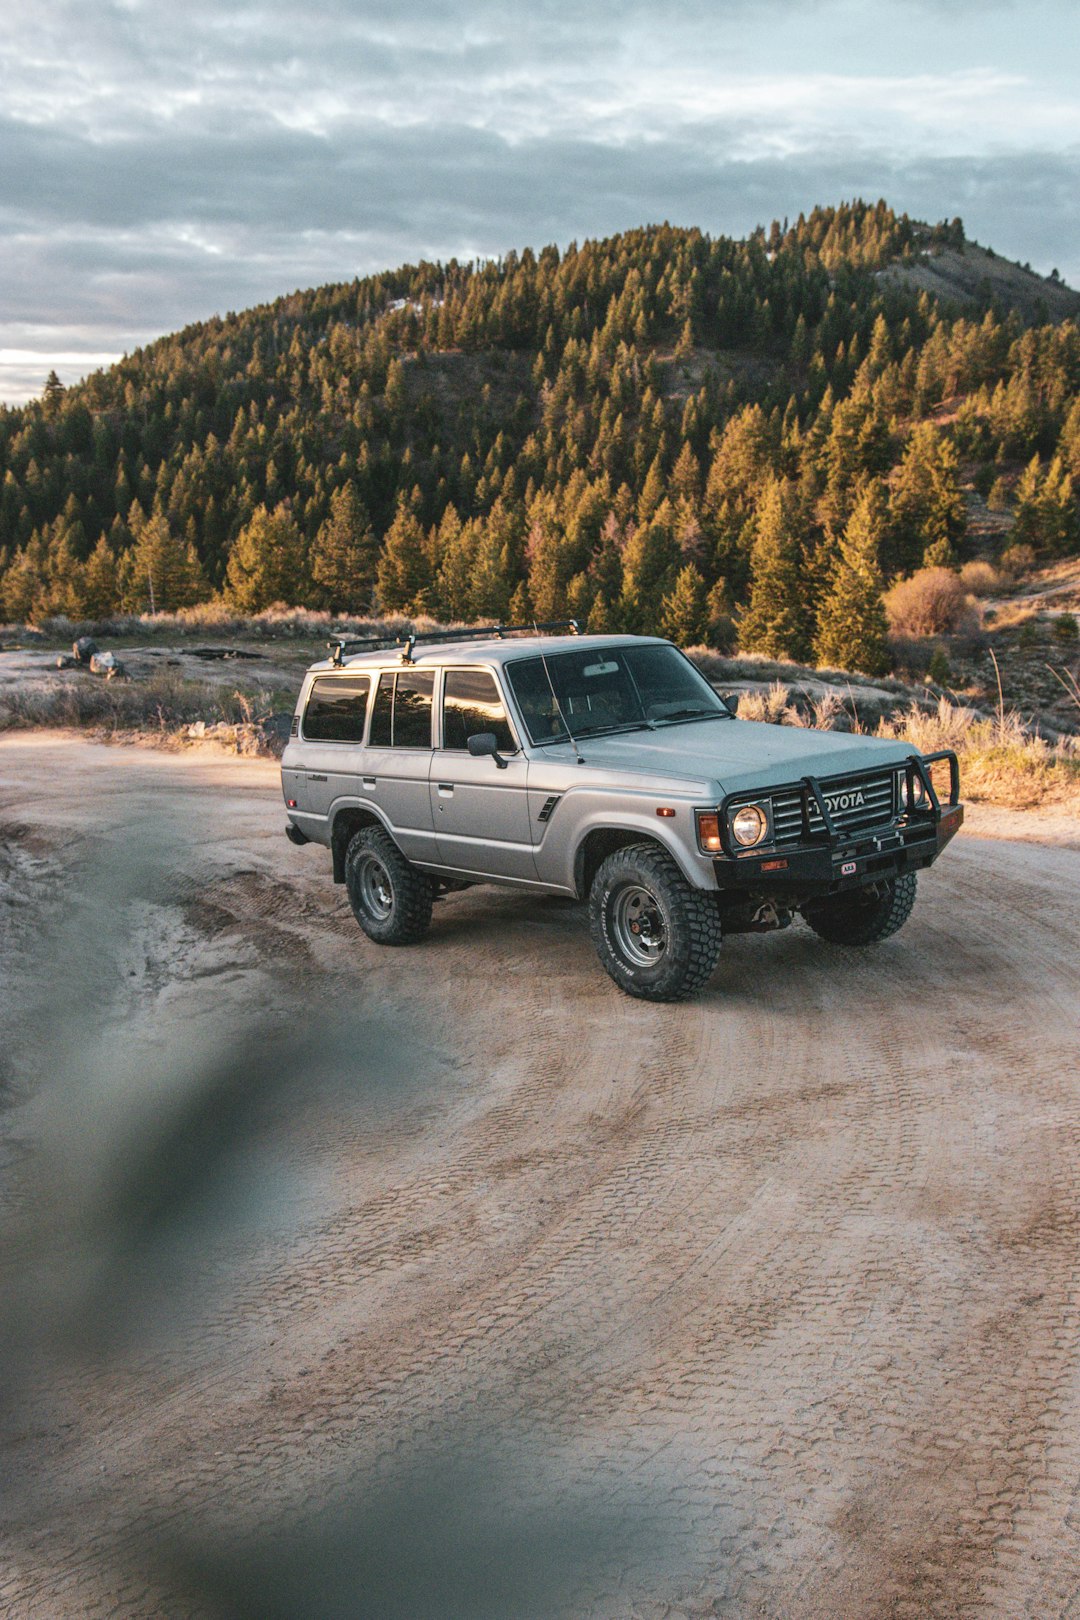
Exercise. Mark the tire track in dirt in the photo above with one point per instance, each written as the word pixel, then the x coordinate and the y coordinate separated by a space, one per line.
pixel 798 1261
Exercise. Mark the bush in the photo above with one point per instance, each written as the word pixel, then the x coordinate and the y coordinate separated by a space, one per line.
pixel 1029 634
pixel 980 578
pixel 985 479
pixel 938 669
pixel 933 602
pixel 1065 627
pixel 1000 760
pixel 1017 560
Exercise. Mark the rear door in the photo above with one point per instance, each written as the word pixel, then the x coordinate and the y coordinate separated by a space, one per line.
pixel 481 813
pixel 326 764
pixel 397 760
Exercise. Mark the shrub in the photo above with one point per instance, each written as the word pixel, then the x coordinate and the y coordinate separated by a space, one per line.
pixel 1000 760
pixel 773 705
pixel 980 578
pixel 1017 560
pixel 1029 634
pixel 938 668
pixel 933 602
pixel 1065 627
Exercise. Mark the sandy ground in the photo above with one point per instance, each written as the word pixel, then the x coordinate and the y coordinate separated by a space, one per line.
pixel 795 1265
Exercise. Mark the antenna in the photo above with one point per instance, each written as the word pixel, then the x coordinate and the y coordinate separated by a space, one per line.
pixel 558 705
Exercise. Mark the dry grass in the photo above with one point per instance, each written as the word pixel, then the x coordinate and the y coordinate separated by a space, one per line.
pixel 1000 761
pixel 164 706
pixel 276 623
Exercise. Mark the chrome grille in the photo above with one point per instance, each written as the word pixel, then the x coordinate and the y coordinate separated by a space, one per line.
pixel 873 802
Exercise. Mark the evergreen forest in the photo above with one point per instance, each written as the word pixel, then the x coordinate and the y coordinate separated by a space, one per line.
pixel 732 442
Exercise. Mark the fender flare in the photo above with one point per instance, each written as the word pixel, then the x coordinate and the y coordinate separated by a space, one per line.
pixel 348 819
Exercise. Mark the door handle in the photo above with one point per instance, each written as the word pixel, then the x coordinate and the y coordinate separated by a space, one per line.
pixel 369 781
pixel 446 790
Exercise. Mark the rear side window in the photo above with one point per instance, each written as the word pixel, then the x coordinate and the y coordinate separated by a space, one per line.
pixel 471 704
pixel 336 708
pixel 401 716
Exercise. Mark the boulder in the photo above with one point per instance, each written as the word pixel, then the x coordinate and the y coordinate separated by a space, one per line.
pixel 84 649
pixel 106 664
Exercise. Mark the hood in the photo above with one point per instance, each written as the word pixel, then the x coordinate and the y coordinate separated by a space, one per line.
pixel 740 754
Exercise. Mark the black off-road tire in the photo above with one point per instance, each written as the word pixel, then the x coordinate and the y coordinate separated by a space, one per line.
pixel 655 934
pixel 390 899
pixel 862 917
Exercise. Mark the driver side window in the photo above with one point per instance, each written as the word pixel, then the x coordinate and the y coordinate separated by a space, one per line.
pixel 471 704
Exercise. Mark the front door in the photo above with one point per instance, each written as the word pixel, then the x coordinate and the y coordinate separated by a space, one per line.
pixel 481 812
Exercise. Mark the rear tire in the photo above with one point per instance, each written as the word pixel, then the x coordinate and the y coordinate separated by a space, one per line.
pixel 390 899
pixel 862 917
pixel 656 935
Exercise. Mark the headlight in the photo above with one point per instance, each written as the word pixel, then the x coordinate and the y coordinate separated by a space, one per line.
pixel 749 824
pixel 920 791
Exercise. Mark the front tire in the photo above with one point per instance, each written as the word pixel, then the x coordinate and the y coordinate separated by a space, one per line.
pixel 656 936
pixel 863 916
pixel 390 899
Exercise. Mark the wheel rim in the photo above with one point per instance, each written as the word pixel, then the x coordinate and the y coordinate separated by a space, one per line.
pixel 638 925
pixel 374 886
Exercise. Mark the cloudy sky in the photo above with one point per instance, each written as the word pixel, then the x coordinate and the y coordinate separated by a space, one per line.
pixel 162 160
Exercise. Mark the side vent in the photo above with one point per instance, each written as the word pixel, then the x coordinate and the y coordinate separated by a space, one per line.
pixel 294 729
pixel 548 807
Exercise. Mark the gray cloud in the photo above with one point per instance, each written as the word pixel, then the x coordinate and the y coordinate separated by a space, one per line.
pixel 163 163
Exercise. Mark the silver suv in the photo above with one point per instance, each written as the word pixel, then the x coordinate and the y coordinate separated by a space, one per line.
pixel 608 769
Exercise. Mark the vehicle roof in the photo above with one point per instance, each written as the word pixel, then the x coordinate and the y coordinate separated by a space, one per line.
pixel 495 651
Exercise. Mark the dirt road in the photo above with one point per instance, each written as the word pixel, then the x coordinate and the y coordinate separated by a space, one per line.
pixel 797 1263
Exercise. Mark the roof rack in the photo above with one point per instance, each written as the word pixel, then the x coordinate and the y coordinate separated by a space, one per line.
pixel 341 648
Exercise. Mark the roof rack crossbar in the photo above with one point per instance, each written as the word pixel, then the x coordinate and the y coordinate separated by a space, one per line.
pixel 340 648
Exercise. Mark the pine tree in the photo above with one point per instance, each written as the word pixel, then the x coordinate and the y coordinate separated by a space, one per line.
pixel 1046 511
pixel 775 622
pixel 927 502
pixel 160 573
pixel 683 611
pixel 52 395
pixel 100 584
pixel 21 588
pixel 266 562
pixel 404 571
pixel 496 564
pixel 457 546
pixel 851 631
pixel 345 552
pixel 650 563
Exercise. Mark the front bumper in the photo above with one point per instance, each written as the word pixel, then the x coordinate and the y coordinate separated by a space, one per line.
pixel 834 860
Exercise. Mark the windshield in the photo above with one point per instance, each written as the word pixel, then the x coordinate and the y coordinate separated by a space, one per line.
pixel 603 689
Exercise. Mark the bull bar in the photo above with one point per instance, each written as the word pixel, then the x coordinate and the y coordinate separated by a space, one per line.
pixel 831 858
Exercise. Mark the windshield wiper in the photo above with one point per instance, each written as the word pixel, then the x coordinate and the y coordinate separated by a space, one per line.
pixel 620 725
pixel 693 714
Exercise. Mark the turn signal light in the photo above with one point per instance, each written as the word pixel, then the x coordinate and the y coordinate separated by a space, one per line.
pixel 663 810
pixel 290 804
pixel 708 832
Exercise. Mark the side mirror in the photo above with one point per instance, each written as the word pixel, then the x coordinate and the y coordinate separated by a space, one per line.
pixel 484 744
pixel 730 700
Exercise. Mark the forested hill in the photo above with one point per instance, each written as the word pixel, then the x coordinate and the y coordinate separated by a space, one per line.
pixel 720 438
